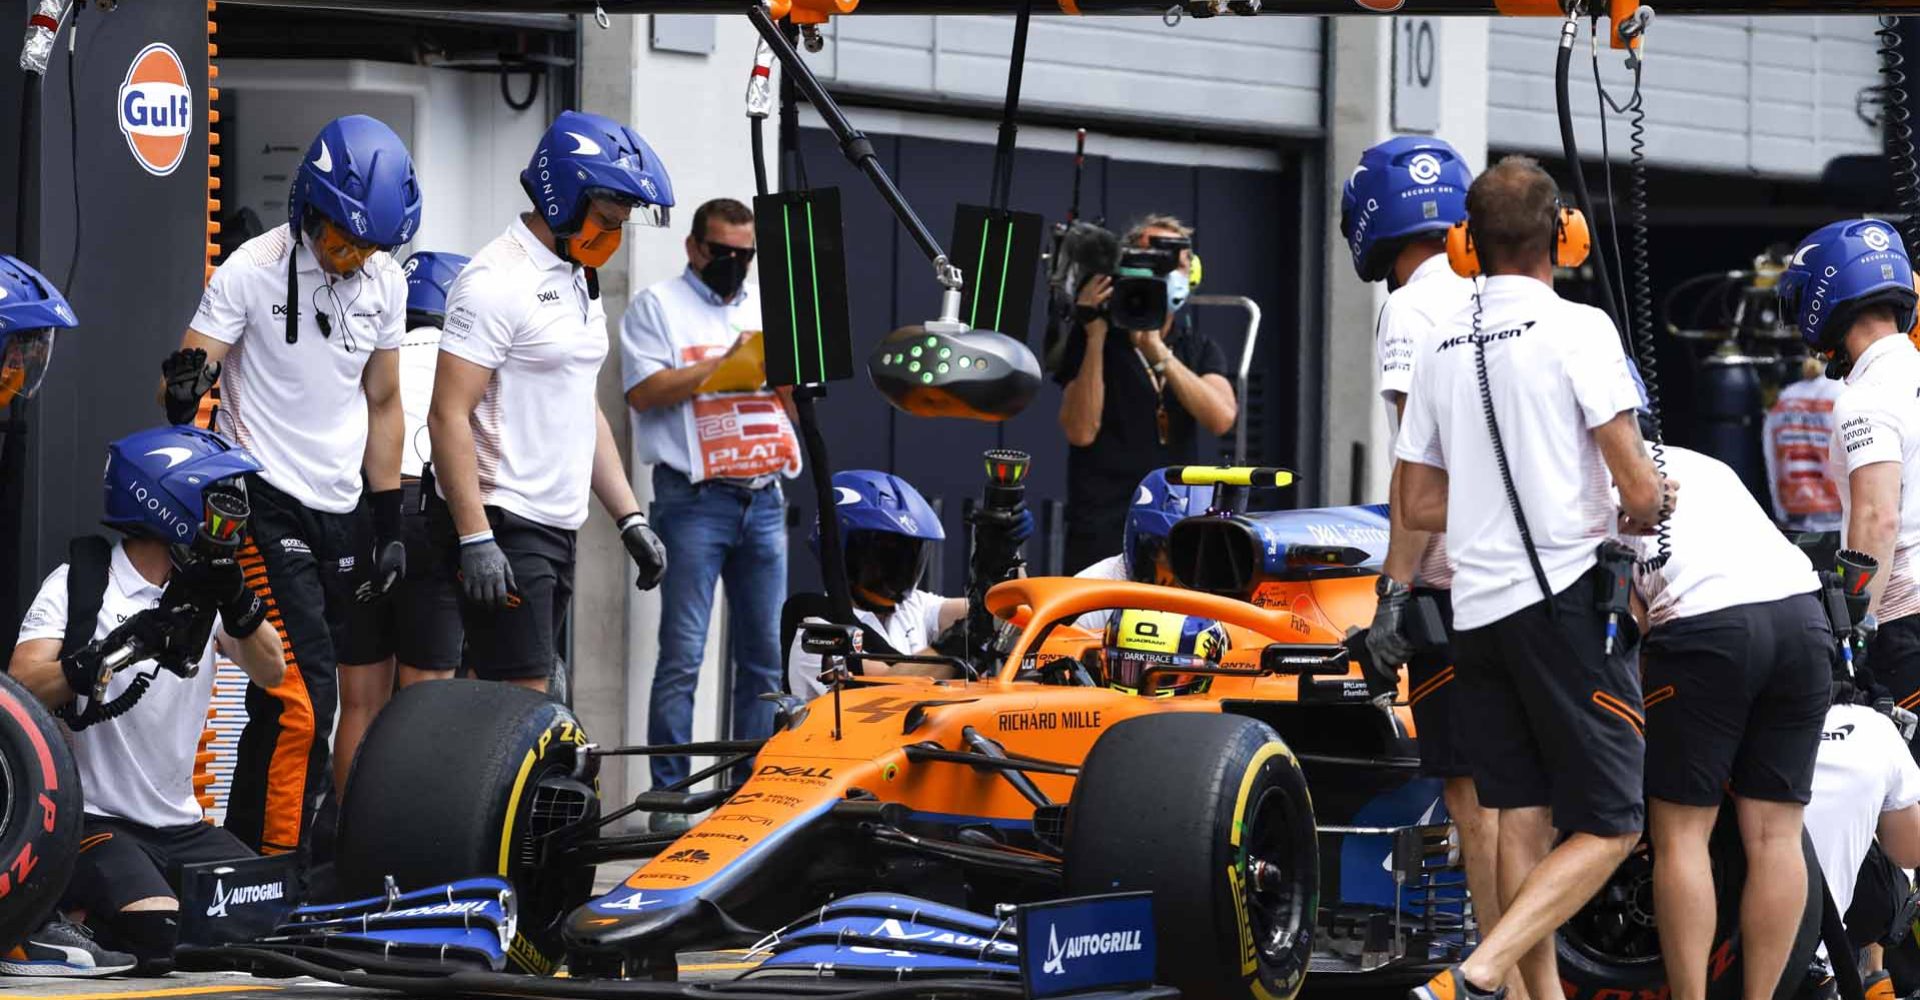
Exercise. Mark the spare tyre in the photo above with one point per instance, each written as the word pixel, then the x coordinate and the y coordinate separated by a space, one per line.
pixel 1611 948
pixel 1227 847
pixel 462 778
pixel 39 811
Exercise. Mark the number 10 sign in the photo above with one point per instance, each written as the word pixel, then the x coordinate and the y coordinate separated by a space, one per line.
pixel 1416 75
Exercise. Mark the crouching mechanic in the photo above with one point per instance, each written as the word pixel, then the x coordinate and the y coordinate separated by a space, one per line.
pixel 519 439
pixel 419 620
pixel 1395 212
pixel 1735 668
pixel 136 758
pixel 888 533
pixel 1157 506
pixel 1850 292
pixel 1521 410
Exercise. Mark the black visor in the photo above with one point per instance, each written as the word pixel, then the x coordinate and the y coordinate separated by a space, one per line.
pixel 885 567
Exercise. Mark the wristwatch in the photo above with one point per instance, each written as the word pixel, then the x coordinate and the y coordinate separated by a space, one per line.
pixel 1160 367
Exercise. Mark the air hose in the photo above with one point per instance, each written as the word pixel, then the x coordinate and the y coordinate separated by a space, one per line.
pixel 1897 129
pixel 1636 331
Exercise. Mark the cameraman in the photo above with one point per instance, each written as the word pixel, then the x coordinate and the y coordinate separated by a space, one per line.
pixel 1557 740
pixel 1134 402
pixel 142 818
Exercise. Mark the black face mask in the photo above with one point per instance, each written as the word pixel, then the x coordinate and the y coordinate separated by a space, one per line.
pixel 725 273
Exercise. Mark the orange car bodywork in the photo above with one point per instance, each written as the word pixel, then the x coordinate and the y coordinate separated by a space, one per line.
pixel 808 768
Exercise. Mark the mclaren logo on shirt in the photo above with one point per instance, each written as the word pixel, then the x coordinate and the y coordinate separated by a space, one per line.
pixel 1487 338
pixel 1838 734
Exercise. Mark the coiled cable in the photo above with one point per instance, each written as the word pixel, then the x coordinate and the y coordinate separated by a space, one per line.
pixel 1896 123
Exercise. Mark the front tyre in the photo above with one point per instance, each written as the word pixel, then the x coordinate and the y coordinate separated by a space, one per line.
pixel 39 812
pixel 1226 845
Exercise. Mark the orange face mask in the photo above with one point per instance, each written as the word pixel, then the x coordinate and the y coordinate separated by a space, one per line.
pixel 593 245
pixel 339 252
pixel 23 364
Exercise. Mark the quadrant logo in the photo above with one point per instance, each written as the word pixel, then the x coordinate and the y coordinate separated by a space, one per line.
pixel 156 109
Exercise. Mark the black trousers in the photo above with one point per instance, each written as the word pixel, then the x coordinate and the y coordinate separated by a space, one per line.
pixel 305 565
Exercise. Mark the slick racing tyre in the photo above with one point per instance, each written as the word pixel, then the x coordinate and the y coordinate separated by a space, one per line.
pixel 39 812
pixel 462 778
pixel 1226 846
pixel 1611 948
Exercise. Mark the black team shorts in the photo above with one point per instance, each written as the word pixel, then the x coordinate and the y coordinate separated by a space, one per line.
pixel 1741 694
pixel 1435 700
pixel 1556 720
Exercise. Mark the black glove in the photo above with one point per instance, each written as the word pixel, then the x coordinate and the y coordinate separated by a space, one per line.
pixel 485 574
pixel 1387 639
pixel 997 537
pixel 389 553
pixel 86 674
pixel 219 583
pixel 646 549
pixel 188 378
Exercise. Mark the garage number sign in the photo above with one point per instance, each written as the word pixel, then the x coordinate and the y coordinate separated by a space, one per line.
pixel 1416 75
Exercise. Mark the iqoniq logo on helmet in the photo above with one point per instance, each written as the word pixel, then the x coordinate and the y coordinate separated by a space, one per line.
pixel 156 109
pixel 1424 168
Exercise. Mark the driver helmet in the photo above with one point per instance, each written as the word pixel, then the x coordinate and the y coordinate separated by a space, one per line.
pixel 169 483
pixel 888 533
pixel 1157 506
pixel 1838 270
pixel 31 309
pixel 1138 640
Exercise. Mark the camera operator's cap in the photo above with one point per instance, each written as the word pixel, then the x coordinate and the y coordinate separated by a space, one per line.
pixel 1403 187
pixel 1840 268
pixel 156 480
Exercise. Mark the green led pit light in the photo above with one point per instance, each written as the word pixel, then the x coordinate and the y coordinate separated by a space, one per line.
pixel 926 378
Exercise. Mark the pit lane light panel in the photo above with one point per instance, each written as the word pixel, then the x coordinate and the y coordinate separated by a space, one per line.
pixel 803 284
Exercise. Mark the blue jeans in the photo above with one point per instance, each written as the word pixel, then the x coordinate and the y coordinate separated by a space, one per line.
pixel 716 532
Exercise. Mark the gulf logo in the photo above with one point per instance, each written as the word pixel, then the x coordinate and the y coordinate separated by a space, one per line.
pixel 156 109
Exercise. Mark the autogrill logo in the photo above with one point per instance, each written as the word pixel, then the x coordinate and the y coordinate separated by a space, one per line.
pixel 243 895
pixel 1086 946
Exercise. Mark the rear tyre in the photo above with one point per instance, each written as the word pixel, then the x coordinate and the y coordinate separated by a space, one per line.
pixel 1228 848
pixel 39 812
pixel 1613 943
pixel 461 778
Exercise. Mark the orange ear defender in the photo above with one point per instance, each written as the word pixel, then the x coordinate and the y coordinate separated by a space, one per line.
pixel 1572 242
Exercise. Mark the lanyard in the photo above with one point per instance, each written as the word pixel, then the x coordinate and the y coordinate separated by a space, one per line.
pixel 1159 382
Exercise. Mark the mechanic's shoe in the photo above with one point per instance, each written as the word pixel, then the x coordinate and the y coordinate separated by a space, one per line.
pixel 668 823
pixel 1450 984
pixel 63 948
pixel 1879 985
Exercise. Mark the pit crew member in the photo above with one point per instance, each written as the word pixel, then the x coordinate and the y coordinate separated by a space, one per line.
pixel 1797 441
pixel 1849 289
pixel 420 619
pixel 1135 402
pixel 1157 506
pixel 1735 669
pixel 1557 741
pixel 142 817
pixel 518 437
pixel 301 327
pixel 719 442
pixel 1395 211
pixel 888 532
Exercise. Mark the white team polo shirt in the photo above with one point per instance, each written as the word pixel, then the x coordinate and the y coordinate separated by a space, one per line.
pixel 521 311
pixel 1556 371
pixel 419 356
pixel 1877 419
pixel 138 767
pixel 1862 770
pixel 300 408
pixel 1724 551
pixel 909 628
pixel 1431 296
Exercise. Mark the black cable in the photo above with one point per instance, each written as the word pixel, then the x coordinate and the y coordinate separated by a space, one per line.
pixel 1601 101
pixel 1897 129
pixel 757 130
pixel 533 89
pixel 73 148
pixel 1500 456
pixel 1563 103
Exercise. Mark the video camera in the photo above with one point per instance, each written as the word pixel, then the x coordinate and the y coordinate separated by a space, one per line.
pixel 1140 277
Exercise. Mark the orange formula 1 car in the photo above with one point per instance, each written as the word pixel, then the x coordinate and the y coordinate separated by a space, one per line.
pixel 1030 782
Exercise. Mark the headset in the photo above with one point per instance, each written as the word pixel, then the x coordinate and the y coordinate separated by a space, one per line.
pixel 1572 241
